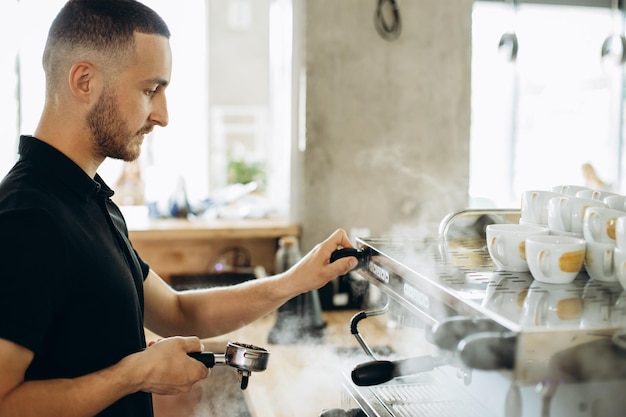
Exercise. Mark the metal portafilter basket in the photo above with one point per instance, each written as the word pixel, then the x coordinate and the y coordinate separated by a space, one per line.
pixel 244 358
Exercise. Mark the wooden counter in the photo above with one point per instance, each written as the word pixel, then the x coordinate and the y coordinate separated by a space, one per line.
pixel 178 246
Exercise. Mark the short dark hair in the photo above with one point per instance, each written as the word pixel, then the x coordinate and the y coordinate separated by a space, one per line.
pixel 106 27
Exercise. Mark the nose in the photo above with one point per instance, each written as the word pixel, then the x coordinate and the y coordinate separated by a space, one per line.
pixel 159 115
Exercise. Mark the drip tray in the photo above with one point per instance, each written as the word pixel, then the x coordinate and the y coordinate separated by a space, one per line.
pixel 425 396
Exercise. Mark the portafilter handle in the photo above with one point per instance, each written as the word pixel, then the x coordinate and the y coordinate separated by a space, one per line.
pixel 209 359
pixel 380 371
pixel 363 255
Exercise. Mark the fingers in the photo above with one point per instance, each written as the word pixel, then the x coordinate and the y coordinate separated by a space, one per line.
pixel 166 367
pixel 187 343
pixel 315 269
pixel 192 344
pixel 339 239
pixel 345 265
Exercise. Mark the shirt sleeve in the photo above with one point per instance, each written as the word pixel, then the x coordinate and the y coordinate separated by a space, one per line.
pixel 145 268
pixel 32 265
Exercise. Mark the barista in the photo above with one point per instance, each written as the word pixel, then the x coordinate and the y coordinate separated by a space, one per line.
pixel 75 294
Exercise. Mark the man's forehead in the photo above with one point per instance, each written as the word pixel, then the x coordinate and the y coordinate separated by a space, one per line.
pixel 153 58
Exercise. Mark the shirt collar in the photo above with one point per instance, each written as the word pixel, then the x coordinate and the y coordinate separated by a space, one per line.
pixel 61 168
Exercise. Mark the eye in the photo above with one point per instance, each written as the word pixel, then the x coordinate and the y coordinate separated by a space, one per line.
pixel 152 91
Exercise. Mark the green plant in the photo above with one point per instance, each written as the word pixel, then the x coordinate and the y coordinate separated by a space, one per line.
pixel 245 172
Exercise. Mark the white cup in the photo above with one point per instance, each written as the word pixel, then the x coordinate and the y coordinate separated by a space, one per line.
pixel 620 232
pixel 569 189
pixel 555 259
pixel 566 213
pixel 599 262
pixel 506 244
pixel 557 306
pixel 568 234
pixel 522 221
pixel 599 224
pixel 594 194
pixel 619 260
pixel 616 202
pixel 535 206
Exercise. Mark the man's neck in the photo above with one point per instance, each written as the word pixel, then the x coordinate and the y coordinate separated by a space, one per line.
pixel 71 144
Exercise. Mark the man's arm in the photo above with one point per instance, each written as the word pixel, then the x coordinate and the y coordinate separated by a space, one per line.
pixel 163 368
pixel 215 311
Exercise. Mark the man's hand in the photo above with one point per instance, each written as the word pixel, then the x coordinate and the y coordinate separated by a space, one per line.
pixel 315 269
pixel 167 369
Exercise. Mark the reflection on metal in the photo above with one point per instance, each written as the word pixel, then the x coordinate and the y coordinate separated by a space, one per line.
pixel 467 225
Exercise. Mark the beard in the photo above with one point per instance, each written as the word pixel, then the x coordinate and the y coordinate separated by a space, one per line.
pixel 111 136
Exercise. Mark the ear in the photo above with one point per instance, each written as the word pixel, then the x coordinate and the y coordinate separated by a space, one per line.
pixel 84 81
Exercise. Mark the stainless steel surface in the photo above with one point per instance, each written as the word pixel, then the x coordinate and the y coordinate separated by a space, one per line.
pixel 452 275
pixel 428 394
pixel 355 331
pixel 244 358
pixel 247 357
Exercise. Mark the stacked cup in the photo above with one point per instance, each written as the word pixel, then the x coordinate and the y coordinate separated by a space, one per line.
pixel 566 214
pixel 569 189
pixel 599 230
pixel 535 206
pixel 617 202
pixel 506 244
pixel 558 257
pixel 595 194
pixel 583 232
pixel 554 259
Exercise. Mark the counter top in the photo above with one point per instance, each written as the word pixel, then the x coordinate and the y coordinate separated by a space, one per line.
pixel 157 229
pixel 180 246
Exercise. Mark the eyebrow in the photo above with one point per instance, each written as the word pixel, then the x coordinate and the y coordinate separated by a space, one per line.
pixel 158 81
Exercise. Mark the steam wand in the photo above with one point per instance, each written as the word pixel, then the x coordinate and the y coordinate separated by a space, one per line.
pixel 380 371
pixel 362 255
pixel 361 316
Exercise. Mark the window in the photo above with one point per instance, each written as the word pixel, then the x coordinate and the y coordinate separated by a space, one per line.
pixel 229 101
pixel 9 87
pixel 537 120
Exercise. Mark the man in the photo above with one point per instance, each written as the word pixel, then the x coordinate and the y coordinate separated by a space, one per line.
pixel 75 295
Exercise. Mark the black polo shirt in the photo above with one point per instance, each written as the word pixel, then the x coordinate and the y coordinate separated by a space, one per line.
pixel 71 285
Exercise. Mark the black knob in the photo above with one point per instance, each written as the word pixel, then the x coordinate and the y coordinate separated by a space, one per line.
pixel 363 255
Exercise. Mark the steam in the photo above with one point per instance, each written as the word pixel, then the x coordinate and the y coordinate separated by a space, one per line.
pixel 420 199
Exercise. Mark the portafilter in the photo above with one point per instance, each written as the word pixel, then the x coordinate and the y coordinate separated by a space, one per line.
pixel 243 357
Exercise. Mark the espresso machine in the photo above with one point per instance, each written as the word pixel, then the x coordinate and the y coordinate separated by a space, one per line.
pixel 501 343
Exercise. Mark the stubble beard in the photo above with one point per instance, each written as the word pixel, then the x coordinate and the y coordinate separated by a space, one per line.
pixel 110 134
